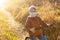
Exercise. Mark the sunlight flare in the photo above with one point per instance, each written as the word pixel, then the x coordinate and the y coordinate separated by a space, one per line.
pixel 3 3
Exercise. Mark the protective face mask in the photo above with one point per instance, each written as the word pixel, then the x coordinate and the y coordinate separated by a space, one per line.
pixel 32 14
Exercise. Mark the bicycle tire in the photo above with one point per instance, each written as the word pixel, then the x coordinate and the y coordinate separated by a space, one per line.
pixel 27 38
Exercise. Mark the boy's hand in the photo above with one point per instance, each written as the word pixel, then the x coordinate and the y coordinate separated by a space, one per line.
pixel 32 30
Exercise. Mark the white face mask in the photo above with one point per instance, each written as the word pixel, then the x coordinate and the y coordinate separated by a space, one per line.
pixel 32 14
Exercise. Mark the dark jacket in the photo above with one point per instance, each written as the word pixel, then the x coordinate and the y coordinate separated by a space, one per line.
pixel 35 22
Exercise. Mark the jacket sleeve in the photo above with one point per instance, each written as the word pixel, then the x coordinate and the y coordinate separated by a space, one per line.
pixel 27 24
pixel 42 23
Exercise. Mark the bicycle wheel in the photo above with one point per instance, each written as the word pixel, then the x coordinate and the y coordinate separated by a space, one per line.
pixel 27 38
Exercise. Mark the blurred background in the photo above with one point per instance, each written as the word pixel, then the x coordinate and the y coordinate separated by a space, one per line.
pixel 13 14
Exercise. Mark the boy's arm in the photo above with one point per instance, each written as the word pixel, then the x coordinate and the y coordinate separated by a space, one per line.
pixel 43 23
pixel 28 25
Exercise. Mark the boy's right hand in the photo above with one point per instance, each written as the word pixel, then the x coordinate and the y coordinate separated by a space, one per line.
pixel 32 30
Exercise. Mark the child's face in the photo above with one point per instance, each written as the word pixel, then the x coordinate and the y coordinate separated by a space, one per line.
pixel 33 10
